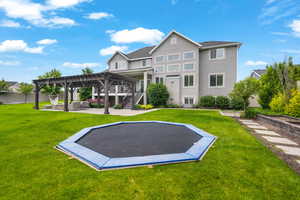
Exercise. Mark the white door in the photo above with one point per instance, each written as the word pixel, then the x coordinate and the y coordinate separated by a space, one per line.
pixel 173 85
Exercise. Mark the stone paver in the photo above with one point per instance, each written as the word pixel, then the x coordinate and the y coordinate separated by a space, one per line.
pixel 279 140
pixel 257 127
pixel 295 151
pixel 266 132
pixel 246 120
pixel 251 123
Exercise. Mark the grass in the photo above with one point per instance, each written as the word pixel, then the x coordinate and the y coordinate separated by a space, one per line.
pixel 237 167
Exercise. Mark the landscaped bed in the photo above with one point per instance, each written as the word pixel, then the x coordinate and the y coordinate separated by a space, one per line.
pixel 237 166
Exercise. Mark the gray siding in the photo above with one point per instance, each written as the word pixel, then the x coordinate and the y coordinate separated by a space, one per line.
pixel 121 60
pixel 228 66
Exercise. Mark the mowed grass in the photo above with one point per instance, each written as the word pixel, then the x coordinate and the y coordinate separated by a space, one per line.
pixel 237 166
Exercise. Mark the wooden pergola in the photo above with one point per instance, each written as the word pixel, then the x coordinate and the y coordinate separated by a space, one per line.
pixel 103 80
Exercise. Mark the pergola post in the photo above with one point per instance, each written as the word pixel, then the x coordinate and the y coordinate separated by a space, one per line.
pixel 66 92
pixel 71 94
pixel 106 100
pixel 132 95
pixel 37 92
pixel 98 96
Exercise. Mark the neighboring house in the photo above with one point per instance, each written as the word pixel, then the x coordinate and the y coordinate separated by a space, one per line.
pixel 257 73
pixel 13 86
pixel 189 69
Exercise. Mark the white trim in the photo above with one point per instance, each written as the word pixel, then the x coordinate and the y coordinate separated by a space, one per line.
pixel 195 43
pixel 217 58
pixel 188 70
pixel 142 58
pixel 194 80
pixel 218 73
pixel 173 54
pixel 164 57
pixel 183 100
pixel 173 65
pixel 163 67
pixel 223 45
pixel 118 52
pixel 194 55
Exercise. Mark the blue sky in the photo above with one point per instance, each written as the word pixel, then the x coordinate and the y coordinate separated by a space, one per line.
pixel 37 36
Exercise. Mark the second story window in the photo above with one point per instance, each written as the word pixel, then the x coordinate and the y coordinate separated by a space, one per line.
pixel 159 69
pixel 188 55
pixel 188 80
pixel 116 65
pixel 217 54
pixel 173 57
pixel 144 63
pixel 159 59
pixel 216 80
pixel 159 80
pixel 188 67
pixel 173 68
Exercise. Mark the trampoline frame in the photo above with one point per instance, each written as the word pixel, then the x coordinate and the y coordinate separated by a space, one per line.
pixel 102 162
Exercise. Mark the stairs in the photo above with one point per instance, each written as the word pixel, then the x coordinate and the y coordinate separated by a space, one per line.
pixel 127 103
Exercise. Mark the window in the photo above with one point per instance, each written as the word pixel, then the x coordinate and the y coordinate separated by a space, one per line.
pixel 159 59
pixel 159 80
pixel 116 65
pixel 216 80
pixel 173 68
pixel 217 53
pixel 188 67
pixel 173 57
pixel 189 100
pixel 159 69
pixel 188 55
pixel 144 63
pixel 173 40
pixel 188 80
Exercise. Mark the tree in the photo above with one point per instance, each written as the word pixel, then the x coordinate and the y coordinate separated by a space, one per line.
pixel 26 89
pixel 244 90
pixel 158 94
pixel 3 86
pixel 51 89
pixel 86 92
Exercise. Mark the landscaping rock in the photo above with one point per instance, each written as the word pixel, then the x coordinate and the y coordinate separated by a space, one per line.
pixel 279 140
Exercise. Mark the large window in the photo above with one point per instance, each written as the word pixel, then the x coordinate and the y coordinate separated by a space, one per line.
pixel 188 80
pixel 173 57
pixel 116 65
pixel 159 59
pixel 174 68
pixel 217 53
pixel 159 80
pixel 216 80
pixel 189 100
pixel 188 55
pixel 159 69
pixel 188 67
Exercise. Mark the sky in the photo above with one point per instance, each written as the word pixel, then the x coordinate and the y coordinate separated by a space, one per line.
pixel 39 35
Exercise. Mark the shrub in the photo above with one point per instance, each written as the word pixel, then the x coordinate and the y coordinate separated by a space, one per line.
pixel 95 105
pixel 249 113
pixel 1 102
pixel 236 103
pixel 146 107
pixel 118 106
pixel 158 94
pixel 293 107
pixel 137 107
pixel 173 106
pixel 222 102
pixel 207 101
pixel 278 103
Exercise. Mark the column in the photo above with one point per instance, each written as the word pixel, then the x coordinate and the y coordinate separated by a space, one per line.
pixel 145 87
pixel 106 100
pixel 66 92
pixel 37 91
pixel 132 95
pixel 116 95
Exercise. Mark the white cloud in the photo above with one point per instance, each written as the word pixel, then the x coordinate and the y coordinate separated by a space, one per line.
pixel 80 65
pixel 46 41
pixel 111 50
pixel 19 45
pixel 99 15
pixel 255 63
pixel 10 24
pixel 9 63
pixel 279 33
pixel 295 26
pixel 39 14
pixel 291 51
pixel 279 40
pixel 147 36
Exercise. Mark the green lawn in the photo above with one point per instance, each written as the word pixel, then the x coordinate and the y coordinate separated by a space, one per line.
pixel 237 167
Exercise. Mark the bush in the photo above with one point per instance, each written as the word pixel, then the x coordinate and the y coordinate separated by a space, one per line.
pixel 158 94
pixel 249 113
pixel 236 103
pixel 95 105
pixel 118 106
pixel 293 107
pixel 1 102
pixel 222 102
pixel 137 107
pixel 173 106
pixel 207 101
pixel 278 103
pixel 146 107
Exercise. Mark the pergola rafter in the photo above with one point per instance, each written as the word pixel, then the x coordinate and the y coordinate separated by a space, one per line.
pixel 103 80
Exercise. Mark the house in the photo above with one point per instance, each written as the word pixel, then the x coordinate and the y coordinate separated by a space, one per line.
pixel 258 73
pixel 189 69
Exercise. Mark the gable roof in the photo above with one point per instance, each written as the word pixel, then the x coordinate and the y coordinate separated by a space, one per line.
pixel 140 53
pixel 211 44
pixel 259 72
pixel 120 53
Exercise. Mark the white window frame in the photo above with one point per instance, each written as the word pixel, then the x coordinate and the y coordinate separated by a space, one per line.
pixel 173 41
pixel 183 99
pixel 163 68
pixel 221 73
pixel 163 60
pixel 173 65
pixel 172 54
pixel 217 58
pixel 188 70
pixel 188 58
pixel 194 80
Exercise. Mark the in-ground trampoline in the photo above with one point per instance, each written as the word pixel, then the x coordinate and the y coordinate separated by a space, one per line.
pixel 129 144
